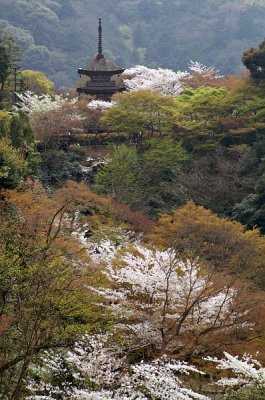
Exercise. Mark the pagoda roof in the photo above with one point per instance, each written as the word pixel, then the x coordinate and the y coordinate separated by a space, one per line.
pixel 100 63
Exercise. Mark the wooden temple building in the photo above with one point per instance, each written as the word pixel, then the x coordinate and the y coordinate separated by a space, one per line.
pixel 99 73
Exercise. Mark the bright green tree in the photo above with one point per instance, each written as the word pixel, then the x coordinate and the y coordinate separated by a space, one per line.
pixel 142 177
pixel 21 132
pixel 13 166
pixel 37 82
pixel 142 113
pixel 163 153
pixel 5 120
pixel 120 177
pixel 200 115
pixel 18 147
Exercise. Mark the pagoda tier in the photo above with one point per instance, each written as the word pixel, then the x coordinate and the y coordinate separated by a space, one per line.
pixel 100 71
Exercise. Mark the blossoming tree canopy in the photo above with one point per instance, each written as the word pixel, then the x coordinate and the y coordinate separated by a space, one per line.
pixel 159 298
pixel 167 81
pixel 100 105
pixel 106 367
pixel 245 372
pixel 104 364
pixel 52 116
pixel 164 81
pixel 33 103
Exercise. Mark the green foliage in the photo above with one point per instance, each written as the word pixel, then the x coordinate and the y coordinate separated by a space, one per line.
pixel 162 164
pixel 251 210
pixel 143 177
pixel 57 166
pixel 120 177
pixel 211 151
pixel 44 302
pixel 5 120
pixel 19 156
pixel 9 54
pixel 253 108
pixel 21 133
pixel 13 167
pixel 37 82
pixel 201 115
pixel 17 128
pixel 163 154
pixel 4 66
pixel 140 113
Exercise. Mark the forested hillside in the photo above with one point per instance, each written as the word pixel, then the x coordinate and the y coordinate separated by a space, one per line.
pixel 58 36
pixel 132 226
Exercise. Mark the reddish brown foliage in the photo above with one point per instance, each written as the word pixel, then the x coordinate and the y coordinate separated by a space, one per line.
pixel 138 220
pixel 232 123
pixel 4 323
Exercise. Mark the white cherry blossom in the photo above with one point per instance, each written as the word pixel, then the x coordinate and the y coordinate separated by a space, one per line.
pixel 100 105
pixel 113 378
pixel 170 297
pixel 166 81
pixel 32 103
pixel 247 371
pixel 204 71
pixel 162 80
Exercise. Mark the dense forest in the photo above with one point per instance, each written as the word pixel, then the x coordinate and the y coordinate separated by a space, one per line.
pixel 131 231
pixel 58 36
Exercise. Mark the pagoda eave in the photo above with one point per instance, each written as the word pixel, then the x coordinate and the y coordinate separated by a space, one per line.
pixel 100 90
pixel 91 73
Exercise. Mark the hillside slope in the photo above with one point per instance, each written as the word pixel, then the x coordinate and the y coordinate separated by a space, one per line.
pixel 58 36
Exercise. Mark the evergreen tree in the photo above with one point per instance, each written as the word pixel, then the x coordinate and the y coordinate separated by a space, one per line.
pixel 254 60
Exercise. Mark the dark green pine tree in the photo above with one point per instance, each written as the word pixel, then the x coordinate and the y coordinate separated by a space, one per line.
pixel 254 61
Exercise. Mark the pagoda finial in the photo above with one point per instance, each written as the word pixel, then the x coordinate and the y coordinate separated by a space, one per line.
pixel 99 38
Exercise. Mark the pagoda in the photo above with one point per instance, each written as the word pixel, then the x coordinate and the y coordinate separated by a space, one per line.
pixel 100 71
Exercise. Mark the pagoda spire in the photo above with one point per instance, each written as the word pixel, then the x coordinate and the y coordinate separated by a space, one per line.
pixel 100 53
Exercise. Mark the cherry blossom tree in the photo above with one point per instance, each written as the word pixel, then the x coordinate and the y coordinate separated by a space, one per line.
pixel 164 302
pixel 204 71
pixel 156 300
pixel 161 80
pixel 169 82
pixel 98 360
pixel 246 371
pixel 104 365
pixel 201 75
pixel 51 116
pixel 100 105
pixel 32 103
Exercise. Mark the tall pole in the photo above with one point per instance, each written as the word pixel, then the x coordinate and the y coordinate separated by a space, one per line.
pixel 15 68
